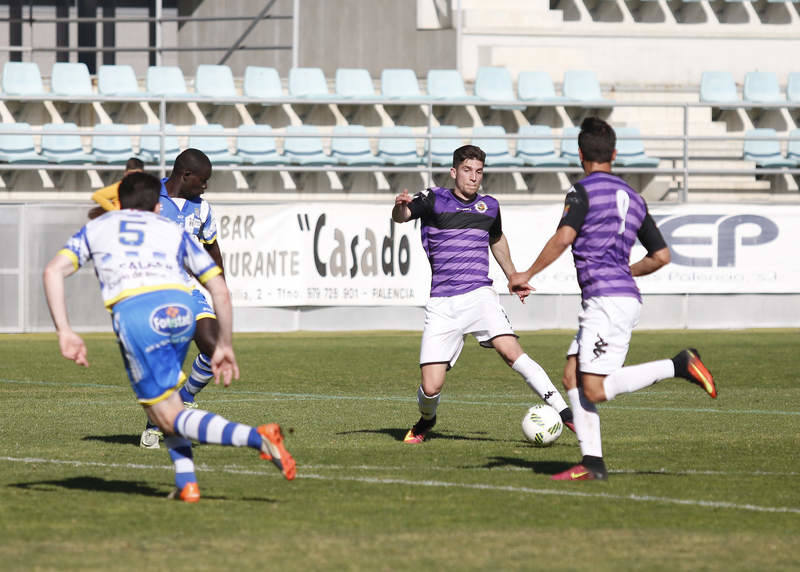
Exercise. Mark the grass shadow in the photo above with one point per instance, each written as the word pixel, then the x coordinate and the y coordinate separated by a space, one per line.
pixel 399 434
pixel 126 439
pixel 538 467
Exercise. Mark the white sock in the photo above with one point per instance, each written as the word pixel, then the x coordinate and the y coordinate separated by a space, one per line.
pixel 427 403
pixel 587 423
pixel 538 380
pixel 635 377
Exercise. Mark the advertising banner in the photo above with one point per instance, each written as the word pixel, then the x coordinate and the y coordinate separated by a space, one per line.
pixel 338 254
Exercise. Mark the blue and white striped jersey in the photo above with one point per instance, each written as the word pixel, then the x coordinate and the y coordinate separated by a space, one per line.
pixel 194 215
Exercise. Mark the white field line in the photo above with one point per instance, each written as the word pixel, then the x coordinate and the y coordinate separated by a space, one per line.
pixel 439 484
pixel 248 397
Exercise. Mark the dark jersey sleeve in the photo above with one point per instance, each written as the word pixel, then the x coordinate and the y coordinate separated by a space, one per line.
pixel 649 235
pixel 496 230
pixel 422 204
pixel 576 205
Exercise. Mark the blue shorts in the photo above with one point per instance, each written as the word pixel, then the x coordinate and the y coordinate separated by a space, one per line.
pixel 154 332
pixel 202 308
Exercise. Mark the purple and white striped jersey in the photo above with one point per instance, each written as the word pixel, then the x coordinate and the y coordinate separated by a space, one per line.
pixel 608 216
pixel 456 237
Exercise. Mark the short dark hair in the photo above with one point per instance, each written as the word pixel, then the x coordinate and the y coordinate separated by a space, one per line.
pixel 191 160
pixel 134 164
pixel 597 140
pixel 139 191
pixel 468 152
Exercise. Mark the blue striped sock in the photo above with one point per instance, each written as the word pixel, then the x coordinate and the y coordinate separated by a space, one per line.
pixel 206 427
pixel 180 451
pixel 199 378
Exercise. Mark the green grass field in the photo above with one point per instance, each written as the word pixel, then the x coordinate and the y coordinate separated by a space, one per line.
pixel 695 483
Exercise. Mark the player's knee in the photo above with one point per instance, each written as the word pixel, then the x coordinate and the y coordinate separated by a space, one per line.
pixel 594 394
pixel 205 335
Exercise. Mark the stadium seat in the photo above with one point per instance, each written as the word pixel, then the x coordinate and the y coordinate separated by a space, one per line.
pixel 448 84
pixel 354 83
pixel 166 80
pixel 442 147
pixel 793 148
pixel 261 82
pixel 793 87
pixel 582 86
pixel 400 84
pixel 761 87
pixel 22 78
pixel 305 150
pixel 352 150
pixel 630 149
pixel 70 79
pixel 214 81
pixel 150 145
pixel 494 84
pixel 538 152
pixel 535 86
pixel 63 148
pixel 17 145
pixel 400 151
pixel 116 147
pixel 569 145
pixel 308 82
pixel 489 139
pixel 761 146
pixel 215 146
pixel 259 150
pixel 117 80
pixel 718 87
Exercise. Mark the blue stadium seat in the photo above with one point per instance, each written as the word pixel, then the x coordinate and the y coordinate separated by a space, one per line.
pixel 117 80
pixel 718 87
pixel 761 87
pixel 70 79
pixel 259 150
pixel 214 81
pixel 535 86
pixel 17 145
pixel 305 150
pixel 630 149
pixel 400 151
pixel 448 84
pixel 351 150
pixel 354 83
pixel 166 80
pixel 569 145
pixel 442 147
pixel 150 145
pixel 22 78
pixel 261 82
pixel 497 153
pixel 216 147
pixel 582 86
pixel 793 148
pixel 495 84
pixel 308 82
pixel 116 147
pixel 761 146
pixel 400 84
pixel 793 87
pixel 63 148
pixel 538 152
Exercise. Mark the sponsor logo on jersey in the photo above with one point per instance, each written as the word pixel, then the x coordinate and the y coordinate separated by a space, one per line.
pixel 481 207
pixel 171 319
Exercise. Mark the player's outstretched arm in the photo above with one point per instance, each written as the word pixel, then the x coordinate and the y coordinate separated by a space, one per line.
pixel 554 248
pixel 652 262
pixel 502 254
pixel 223 360
pixel 401 211
pixel 70 343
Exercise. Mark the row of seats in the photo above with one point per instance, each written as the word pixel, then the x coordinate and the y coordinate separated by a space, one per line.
pixel 719 87
pixel 303 145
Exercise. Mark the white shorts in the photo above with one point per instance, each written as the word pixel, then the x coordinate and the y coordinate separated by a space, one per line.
pixel 604 333
pixel 448 319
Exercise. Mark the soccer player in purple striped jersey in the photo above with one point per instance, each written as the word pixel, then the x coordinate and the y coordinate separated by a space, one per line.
pixel 602 219
pixel 140 258
pixel 459 227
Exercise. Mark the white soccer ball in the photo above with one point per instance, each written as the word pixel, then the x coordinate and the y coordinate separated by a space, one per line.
pixel 542 425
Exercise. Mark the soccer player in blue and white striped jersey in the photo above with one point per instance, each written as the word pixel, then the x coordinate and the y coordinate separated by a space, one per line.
pixel 602 219
pixel 140 258
pixel 459 227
